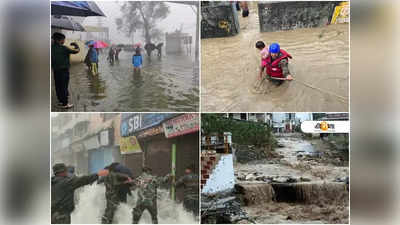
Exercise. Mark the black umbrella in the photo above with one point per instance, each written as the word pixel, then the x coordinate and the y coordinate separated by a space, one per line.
pixel 66 23
pixel 75 8
pixel 95 8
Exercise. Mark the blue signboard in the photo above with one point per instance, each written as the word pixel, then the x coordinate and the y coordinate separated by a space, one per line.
pixel 134 122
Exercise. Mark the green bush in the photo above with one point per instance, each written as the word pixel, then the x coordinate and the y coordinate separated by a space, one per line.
pixel 243 132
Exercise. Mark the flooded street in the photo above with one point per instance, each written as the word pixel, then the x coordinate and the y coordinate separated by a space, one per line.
pixel 320 67
pixel 167 84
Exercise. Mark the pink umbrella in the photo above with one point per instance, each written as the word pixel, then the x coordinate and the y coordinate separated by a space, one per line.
pixel 137 45
pixel 100 44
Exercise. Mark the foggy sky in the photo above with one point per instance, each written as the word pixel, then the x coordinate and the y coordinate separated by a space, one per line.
pixel 179 14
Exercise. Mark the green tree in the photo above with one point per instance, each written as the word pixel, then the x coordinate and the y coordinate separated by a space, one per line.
pixel 243 132
pixel 138 15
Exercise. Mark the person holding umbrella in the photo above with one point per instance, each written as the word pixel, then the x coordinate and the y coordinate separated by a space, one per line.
pixel 60 64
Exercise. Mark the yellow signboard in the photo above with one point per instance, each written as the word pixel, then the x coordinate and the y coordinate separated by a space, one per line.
pixel 341 13
pixel 129 145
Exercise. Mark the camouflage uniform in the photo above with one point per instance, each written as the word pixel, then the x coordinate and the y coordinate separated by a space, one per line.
pixel 147 196
pixel 112 182
pixel 62 196
pixel 190 182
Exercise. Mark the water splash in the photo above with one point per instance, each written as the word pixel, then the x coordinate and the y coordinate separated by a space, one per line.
pixel 91 204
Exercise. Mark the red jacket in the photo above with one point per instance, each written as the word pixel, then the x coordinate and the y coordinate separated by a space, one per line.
pixel 273 68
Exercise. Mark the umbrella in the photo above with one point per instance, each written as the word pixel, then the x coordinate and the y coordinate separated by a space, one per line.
pixel 100 44
pixel 66 23
pixel 95 8
pixel 89 42
pixel 137 45
pixel 75 8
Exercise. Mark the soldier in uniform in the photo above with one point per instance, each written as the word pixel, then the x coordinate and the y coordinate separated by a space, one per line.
pixel 62 192
pixel 113 182
pixel 190 183
pixel 147 195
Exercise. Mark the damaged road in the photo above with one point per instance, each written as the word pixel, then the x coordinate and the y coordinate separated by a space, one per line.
pixel 305 180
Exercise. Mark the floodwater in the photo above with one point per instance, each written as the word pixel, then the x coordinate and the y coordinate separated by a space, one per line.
pixel 166 84
pixel 321 186
pixel 320 67
pixel 293 147
pixel 91 204
pixel 290 165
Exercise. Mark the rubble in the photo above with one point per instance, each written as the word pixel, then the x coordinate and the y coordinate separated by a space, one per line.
pixel 251 153
pixel 303 181
pixel 257 176
pixel 222 208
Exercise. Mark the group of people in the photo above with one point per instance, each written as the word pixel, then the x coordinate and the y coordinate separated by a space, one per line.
pixel 113 54
pixel 274 61
pixel 60 63
pixel 118 182
pixel 92 57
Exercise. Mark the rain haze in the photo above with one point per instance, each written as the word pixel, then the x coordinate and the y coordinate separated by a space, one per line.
pixel 166 78
pixel 179 15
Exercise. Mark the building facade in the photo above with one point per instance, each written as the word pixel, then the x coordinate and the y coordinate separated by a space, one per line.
pixel 88 142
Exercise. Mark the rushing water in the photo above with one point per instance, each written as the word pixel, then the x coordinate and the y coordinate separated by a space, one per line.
pixel 166 84
pixel 320 66
pixel 91 205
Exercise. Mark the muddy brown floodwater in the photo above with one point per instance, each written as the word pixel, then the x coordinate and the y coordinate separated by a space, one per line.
pixel 326 201
pixel 320 67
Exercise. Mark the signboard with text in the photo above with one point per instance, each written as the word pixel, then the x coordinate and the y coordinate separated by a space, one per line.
pixel 129 145
pixel 181 125
pixel 135 122
pixel 151 131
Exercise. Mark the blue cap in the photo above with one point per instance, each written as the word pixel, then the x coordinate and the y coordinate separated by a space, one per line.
pixel 274 48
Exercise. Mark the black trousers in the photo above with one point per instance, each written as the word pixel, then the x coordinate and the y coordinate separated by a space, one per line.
pixel 61 80
pixel 245 13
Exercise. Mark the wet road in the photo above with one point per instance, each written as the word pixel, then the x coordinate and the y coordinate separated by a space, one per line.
pixel 320 67
pixel 167 84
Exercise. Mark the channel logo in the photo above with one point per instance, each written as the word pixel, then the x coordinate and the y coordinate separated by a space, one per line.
pixel 325 126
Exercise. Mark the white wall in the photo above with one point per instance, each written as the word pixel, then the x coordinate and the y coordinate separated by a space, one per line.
pixel 222 177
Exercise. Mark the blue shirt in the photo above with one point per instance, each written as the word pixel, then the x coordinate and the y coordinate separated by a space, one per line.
pixel 93 57
pixel 137 60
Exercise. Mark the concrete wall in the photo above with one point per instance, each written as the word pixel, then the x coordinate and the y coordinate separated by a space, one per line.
pixel 218 21
pixel 278 16
pixel 222 177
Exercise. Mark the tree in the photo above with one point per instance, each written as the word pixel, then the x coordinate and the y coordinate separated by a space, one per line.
pixel 243 132
pixel 138 15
